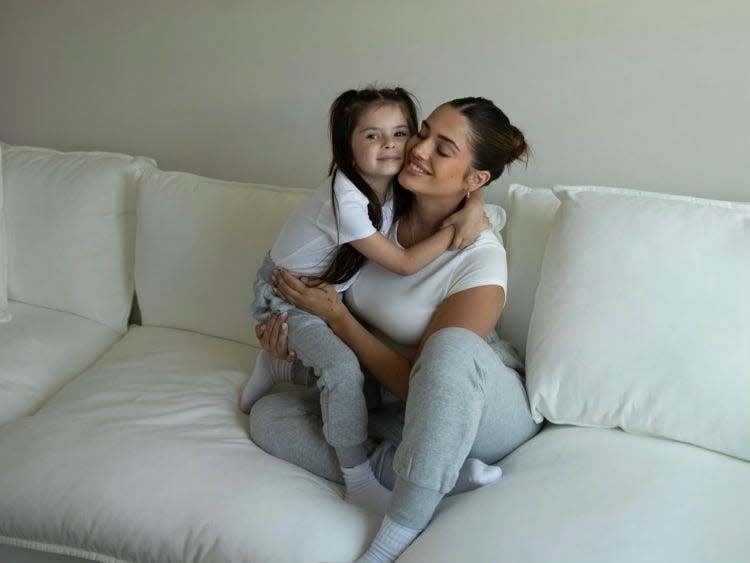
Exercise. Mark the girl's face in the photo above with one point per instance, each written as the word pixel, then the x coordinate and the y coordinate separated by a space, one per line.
pixel 378 142
pixel 438 157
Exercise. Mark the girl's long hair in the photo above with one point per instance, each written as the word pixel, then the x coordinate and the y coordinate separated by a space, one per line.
pixel 345 113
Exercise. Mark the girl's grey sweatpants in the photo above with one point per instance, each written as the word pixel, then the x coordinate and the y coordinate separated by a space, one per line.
pixel 342 408
pixel 464 401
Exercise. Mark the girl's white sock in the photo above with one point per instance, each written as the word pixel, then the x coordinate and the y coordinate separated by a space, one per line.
pixel 390 542
pixel 267 371
pixel 363 489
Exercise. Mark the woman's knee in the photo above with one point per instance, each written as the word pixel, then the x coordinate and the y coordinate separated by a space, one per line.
pixel 449 354
pixel 268 413
pixel 454 340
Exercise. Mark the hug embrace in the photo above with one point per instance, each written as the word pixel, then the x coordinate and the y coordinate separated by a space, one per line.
pixel 380 297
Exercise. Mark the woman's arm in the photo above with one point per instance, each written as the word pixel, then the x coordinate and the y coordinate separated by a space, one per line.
pixel 476 309
pixel 404 261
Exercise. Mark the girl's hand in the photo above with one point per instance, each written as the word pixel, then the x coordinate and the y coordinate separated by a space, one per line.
pixel 468 221
pixel 272 337
pixel 320 299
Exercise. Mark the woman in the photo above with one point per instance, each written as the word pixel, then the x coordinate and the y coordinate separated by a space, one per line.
pixel 431 344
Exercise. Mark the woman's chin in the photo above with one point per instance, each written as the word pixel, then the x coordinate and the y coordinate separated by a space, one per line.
pixel 406 178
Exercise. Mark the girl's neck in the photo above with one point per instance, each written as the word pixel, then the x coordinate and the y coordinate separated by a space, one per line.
pixel 381 187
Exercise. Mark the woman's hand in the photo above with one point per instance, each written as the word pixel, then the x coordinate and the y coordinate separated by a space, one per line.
pixel 468 221
pixel 272 337
pixel 320 299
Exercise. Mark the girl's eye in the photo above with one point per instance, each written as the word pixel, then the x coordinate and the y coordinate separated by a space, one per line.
pixel 372 136
pixel 401 134
pixel 442 152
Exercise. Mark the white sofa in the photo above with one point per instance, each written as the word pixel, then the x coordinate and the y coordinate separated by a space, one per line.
pixel 125 443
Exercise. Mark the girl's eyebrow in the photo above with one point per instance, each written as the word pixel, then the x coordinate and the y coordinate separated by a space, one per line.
pixel 373 128
pixel 443 137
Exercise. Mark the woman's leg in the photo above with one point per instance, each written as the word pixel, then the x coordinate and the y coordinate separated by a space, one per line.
pixel 463 401
pixel 287 425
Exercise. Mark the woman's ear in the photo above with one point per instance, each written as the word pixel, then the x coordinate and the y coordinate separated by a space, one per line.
pixel 477 179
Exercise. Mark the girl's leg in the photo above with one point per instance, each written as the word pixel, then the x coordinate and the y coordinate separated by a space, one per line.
pixel 463 401
pixel 340 381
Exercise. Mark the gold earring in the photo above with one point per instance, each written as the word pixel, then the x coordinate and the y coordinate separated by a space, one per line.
pixel 468 194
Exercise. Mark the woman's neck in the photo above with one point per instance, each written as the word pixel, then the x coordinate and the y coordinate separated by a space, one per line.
pixel 425 217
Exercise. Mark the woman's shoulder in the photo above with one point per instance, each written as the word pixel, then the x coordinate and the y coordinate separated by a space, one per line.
pixel 481 263
pixel 488 242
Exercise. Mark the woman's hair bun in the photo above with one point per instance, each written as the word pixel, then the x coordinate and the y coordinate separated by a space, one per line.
pixel 519 150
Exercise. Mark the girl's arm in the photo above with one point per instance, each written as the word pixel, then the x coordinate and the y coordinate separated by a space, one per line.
pixel 476 309
pixel 403 261
pixel 468 221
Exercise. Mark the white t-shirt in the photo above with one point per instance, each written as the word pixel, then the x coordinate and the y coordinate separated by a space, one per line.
pixel 400 307
pixel 309 238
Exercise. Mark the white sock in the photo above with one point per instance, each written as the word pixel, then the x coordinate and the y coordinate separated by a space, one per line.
pixel 390 542
pixel 267 371
pixel 475 473
pixel 363 489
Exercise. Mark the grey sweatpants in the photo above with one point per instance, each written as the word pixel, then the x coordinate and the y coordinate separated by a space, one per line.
pixel 464 401
pixel 338 375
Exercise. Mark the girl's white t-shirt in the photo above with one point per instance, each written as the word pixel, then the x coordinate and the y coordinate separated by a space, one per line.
pixel 400 307
pixel 309 238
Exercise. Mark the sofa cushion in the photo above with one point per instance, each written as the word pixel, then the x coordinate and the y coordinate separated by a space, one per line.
pixel 4 312
pixel 41 350
pixel 71 230
pixel 642 317
pixel 532 211
pixel 590 495
pixel 199 244
pixel 145 457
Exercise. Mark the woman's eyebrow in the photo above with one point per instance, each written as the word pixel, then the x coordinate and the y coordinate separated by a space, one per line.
pixel 443 137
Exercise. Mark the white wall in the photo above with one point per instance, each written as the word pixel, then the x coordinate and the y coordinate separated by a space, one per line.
pixel 653 94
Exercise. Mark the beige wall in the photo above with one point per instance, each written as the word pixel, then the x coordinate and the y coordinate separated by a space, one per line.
pixel 653 94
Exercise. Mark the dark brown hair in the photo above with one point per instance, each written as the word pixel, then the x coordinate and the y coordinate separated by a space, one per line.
pixel 495 142
pixel 343 118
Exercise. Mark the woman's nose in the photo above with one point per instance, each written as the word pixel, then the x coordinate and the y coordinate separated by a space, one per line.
pixel 420 148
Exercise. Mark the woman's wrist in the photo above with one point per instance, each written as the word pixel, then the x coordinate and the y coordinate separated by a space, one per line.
pixel 336 316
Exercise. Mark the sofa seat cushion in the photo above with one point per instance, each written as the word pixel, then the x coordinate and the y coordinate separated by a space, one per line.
pixel 585 495
pixel 146 457
pixel 41 350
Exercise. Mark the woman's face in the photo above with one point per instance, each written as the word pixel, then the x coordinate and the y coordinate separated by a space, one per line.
pixel 437 160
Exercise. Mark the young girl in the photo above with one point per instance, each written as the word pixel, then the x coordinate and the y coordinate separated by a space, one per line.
pixel 329 237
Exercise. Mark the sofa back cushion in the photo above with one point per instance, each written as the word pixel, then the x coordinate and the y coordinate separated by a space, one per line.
pixel 642 317
pixel 4 313
pixel 199 244
pixel 70 229
pixel 532 211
